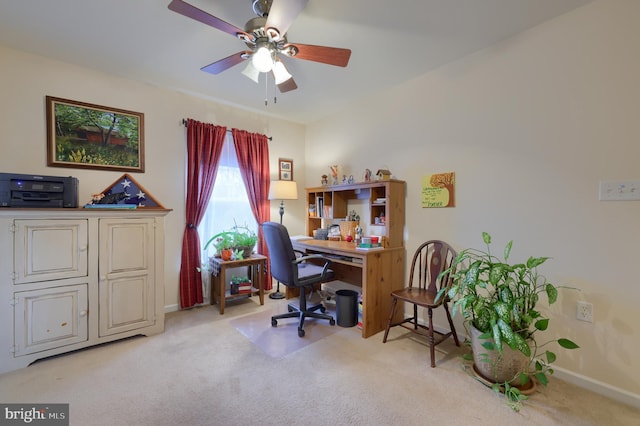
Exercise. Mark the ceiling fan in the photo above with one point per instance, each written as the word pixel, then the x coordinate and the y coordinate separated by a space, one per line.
pixel 266 38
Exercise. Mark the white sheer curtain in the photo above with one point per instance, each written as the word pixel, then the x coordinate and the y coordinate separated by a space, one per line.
pixel 229 203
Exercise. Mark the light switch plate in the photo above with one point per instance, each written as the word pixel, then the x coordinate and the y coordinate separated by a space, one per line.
pixel 619 190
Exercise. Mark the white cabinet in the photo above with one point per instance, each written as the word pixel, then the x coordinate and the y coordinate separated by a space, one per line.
pixel 76 278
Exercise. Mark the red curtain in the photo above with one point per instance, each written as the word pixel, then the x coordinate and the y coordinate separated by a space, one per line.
pixel 204 148
pixel 252 150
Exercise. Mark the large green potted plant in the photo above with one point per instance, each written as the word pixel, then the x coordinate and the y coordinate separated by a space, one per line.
pixel 499 303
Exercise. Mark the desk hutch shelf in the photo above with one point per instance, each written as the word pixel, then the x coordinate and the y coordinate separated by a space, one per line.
pixel 385 199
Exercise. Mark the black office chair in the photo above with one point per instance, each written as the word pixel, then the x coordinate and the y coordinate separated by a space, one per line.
pixel 294 271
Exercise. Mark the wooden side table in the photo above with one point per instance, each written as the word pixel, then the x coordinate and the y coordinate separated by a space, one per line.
pixel 257 266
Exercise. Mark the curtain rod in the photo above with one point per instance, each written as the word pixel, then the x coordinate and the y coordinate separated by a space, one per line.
pixel 184 123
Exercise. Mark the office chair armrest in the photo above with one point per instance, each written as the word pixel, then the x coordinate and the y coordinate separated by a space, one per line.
pixel 312 256
pixel 327 261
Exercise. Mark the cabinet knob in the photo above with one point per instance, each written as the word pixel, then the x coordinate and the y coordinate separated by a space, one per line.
pixel 103 277
pixel 83 313
pixel 83 248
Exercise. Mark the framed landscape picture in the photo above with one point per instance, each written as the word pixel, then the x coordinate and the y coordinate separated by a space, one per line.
pixel 285 169
pixel 83 135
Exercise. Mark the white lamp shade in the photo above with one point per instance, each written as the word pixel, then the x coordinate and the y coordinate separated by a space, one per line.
pixel 283 190
pixel 262 59
pixel 251 72
pixel 280 73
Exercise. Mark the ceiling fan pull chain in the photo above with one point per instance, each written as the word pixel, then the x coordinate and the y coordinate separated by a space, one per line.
pixel 275 93
pixel 266 89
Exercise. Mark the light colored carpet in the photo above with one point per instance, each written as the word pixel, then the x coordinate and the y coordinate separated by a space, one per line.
pixel 277 342
pixel 203 371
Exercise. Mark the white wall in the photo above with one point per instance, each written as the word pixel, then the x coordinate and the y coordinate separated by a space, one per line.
pixel 27 79
pixel 529 126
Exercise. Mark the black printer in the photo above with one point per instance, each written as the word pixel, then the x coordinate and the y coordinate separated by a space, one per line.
pixel 18 190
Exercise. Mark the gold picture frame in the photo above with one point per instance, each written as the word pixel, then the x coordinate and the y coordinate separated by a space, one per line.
pixel 88 136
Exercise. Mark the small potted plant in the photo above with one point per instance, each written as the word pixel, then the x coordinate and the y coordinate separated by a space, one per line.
pixel 498 301
pixel 244 239
pixel 223 243
pixel 240 239
pixel 240 285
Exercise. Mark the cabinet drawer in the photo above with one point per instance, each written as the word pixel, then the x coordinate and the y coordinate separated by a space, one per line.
pixel 50 318
pixel 50 250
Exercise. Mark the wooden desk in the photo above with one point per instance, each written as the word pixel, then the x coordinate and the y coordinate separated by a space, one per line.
pixel 378 272
pixel 257 266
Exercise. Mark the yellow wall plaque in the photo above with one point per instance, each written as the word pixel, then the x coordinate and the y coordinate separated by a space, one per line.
pixel 438 190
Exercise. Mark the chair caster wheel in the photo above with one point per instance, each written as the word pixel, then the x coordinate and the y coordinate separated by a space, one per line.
pixel 332 322
pixel 300 332
pixel 274 323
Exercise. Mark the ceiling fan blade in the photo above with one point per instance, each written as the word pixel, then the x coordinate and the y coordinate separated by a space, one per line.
pixel 287 86
pixel 327 55
pixel 283 13
pixel 193 12
pixel 226 63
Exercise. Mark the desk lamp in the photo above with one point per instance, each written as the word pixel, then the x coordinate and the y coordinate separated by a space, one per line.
pixel 282 190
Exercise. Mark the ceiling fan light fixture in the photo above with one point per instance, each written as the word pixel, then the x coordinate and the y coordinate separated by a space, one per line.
pixel 280 73
pixel 263 57
pixel 251 72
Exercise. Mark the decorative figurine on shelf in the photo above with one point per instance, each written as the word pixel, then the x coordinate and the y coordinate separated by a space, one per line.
pixel 325 180
pixel 334 174
pixel 351 180
pixel 383 174
pixel 367 175
pixel 344 179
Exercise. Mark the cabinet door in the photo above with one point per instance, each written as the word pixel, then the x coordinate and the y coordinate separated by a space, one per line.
pixel 50 318
pixel 126 272
pixel 50 249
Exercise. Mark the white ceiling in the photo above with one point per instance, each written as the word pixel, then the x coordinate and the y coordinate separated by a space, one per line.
pixel 391 42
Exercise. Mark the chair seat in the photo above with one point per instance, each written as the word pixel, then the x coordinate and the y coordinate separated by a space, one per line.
pixel 418 296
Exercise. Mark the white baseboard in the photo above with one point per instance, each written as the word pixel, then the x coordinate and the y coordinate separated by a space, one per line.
pixel 597 386
pixel 171 308
pixel 176 307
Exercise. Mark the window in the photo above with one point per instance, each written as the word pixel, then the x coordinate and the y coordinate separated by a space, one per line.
pixel 229 203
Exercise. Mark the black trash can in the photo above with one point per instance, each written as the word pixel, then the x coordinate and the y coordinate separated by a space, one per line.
pixel 347 308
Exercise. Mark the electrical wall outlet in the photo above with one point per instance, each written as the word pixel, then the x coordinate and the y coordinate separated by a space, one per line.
pixel 584 311
pixel 622 190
